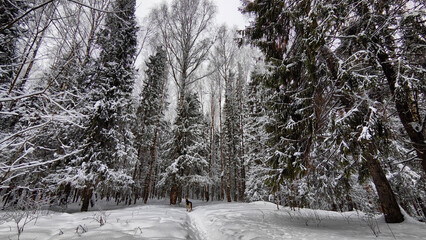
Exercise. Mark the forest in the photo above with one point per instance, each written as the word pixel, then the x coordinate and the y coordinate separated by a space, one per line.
pixel 316 104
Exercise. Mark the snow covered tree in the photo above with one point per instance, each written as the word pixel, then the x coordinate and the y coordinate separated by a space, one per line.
pixel 224 60
pixel 403 67
pixel 375 59
pixel 188 168
pixel 109 156
pixel 290 43
pixel 256 148
pixel 44 114
pixel 241 99
pixel 183 29
pixel 231 140
pixel 8 40
pixel 23 112
pixel 318 91
pixel 9 36
pixel 150 114
pixel 215 166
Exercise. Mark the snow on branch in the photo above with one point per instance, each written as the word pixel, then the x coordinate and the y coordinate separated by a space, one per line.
pixel 23 131
pixel 36 163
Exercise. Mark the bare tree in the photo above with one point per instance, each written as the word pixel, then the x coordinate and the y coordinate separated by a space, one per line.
pixel 184 27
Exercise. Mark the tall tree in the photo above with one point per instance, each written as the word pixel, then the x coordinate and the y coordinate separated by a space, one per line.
pixel 109 156
pixel 183 27
pixel 224 60
pixel 309 87
pixel 150 115
pixel 256 148
pixel 189 151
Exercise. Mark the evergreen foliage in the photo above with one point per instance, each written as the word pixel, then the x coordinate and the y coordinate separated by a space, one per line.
pixel 330 120
pixel 188 151
pixel 334 119
pixel 109 155
pixel 150 115
pixel 256 149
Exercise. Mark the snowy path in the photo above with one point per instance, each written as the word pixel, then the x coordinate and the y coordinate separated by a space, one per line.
pixel 263 221
pixel 213 221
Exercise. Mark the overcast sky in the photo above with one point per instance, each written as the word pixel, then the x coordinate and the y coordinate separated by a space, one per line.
pixel 227 11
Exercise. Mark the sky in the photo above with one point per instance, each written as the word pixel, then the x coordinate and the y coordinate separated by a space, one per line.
pixel 227 11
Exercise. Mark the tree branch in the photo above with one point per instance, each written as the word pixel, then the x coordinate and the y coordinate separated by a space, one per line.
pixel 9 25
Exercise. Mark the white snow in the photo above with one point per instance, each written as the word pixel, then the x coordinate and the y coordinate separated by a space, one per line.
pixel 217 220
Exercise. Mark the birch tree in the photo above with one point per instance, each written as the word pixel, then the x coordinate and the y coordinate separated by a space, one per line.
pixel 184 30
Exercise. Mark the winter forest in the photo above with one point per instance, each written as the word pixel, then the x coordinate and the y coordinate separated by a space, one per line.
pixel 317 104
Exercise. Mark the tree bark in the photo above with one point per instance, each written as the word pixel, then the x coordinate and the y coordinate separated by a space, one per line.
pixel 222 170
pixel 173 195
pixel 154 147
pixel 147 187
pixel 85 198
pixel 212 139
pixel 206 193
pixel 228 180
pixel 242 153
pixel 387 198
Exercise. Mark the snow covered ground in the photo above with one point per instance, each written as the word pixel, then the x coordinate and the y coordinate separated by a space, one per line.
pixel 217 220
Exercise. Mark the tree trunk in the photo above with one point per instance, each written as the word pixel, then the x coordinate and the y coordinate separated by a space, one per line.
pixel 236 181
pixel 147 186
pixel 173 195
pixel 222 170
pixel 408 115
pixel 212 141
pixel 242 185
pixel 243 181
pixel 179 193
pixel 85 198
pixel 206 193
pixel 67 193
pixel 153 148
pixel 228 180
pixel 387 198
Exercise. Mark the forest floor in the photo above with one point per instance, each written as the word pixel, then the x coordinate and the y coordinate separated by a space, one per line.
pixel 211 221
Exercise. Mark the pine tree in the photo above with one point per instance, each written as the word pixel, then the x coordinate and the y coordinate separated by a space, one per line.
pixel 64 136
pixel 256 152
pixel 377 76
pixel 240 99
pixel 150 114
pixel 8 39
pixel 299 81
pixel 310 93
pixel 9 59
pixel 109 156
pixel 231 138
pixel 188 169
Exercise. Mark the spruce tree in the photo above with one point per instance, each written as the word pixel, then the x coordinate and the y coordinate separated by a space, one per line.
pixel 150 119
pixel 8 39
pixel 9 60
pixel 109 156
pixel 188 168
pixel 312 92
pixel 256 148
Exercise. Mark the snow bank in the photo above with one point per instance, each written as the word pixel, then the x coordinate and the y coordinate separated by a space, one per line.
pixel 218 220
